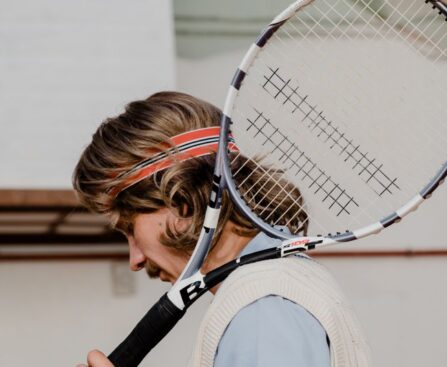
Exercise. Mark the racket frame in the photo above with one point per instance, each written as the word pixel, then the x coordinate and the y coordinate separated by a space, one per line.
pixel 222 180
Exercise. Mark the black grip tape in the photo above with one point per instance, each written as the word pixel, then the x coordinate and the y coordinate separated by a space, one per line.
pixel 152 328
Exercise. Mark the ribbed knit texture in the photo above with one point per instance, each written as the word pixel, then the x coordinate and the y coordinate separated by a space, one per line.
pixel 302 281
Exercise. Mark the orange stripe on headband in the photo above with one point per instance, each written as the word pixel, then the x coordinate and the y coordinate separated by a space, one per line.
pixel 207 132
pixel 191 144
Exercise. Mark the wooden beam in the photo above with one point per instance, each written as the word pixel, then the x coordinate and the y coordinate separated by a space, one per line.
pixel 381 253
pixel 64 257
pixel 112 237
pixel 34 198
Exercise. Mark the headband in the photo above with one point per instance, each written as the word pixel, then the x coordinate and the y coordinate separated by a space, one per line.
pixel 191 144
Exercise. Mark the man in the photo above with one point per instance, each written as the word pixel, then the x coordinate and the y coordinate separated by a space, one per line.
pixel 160 208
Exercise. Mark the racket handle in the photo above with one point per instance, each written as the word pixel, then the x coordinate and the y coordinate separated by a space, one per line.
pixel 153 327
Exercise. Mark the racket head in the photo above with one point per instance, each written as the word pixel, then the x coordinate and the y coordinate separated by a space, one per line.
pixel 342 100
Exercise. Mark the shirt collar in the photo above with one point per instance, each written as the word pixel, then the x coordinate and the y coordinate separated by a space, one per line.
pixel 260 242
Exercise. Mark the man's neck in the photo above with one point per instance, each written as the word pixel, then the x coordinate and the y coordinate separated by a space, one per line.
pixel 226 249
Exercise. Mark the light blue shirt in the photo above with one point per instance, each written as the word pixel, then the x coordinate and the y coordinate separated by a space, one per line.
pixel 272 331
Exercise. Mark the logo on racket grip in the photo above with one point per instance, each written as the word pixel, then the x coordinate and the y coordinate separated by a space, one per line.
pixel 191 291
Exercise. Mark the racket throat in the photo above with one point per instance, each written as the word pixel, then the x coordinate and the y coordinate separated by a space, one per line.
pixel 297 245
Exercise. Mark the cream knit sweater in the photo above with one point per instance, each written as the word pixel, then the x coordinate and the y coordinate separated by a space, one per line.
pixel 302 281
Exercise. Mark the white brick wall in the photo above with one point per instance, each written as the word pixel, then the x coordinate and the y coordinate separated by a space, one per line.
pixel 64 67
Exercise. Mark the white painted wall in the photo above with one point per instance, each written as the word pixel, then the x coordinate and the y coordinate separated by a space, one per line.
pixel 53 313
pixel 64 67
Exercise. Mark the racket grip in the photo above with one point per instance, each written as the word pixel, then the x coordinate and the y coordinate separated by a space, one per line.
pixel 152 328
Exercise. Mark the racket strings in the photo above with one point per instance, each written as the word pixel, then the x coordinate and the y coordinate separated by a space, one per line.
pixel 363 167
pixel 430 136
pixel 273 175
pixel 432 133
pixel 260 188
pixel 397 28
pixel 273 197
pixel 403 19
pixel 279 181
pixel 376 24
pixel 327 131
pixel 410 23
pixel 366 210
pixel 328 194
pixel 261 194
pixel 275 148
pixel 423 166
pixel 285 214
pixel 270 175
pixel 420 37
pixel 424 34
pixel 278 193
pixel 322 183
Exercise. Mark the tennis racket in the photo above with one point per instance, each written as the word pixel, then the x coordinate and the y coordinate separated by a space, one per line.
pixel 343 99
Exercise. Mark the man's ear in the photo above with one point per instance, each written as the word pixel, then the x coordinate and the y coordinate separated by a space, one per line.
pixel 180 224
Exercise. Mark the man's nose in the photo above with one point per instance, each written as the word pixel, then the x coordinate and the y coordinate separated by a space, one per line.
pixel 136 258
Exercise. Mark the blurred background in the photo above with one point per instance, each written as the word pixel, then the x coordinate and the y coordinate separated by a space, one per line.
pixel 65 287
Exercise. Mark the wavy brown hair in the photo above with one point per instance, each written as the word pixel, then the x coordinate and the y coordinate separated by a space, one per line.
pixel 125 140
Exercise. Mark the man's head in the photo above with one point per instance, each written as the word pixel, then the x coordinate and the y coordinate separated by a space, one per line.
pixel 143 130
pixel 122 142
